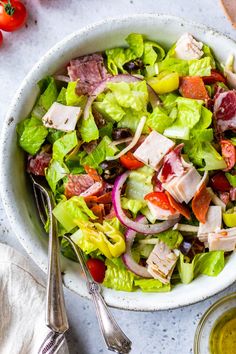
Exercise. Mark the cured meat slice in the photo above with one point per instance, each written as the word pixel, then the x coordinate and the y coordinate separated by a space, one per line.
pixel 36 165
pixel 172 165
pixel 225 111
pixel 77 184
pixel 89 70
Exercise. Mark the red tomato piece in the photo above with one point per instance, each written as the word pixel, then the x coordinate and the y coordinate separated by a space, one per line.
pixel 159 199
pixel 93 173
pixel 214 77
pixel 193 87
pixel 13 15
pixel 97 269
pixel 181 208
pixel 130 162
pixel 220 183
pixel 200 203
pixel 228 153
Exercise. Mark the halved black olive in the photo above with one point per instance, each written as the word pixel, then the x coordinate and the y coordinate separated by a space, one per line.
pixel 121 133
pixel 111 169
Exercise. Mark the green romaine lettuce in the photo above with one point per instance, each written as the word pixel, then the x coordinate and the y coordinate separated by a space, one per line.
pixel 61 98
pixel 100 153
pixel 64 145
pixel 54 173
pixel 117 276
pixel 200 67
pixel 110 108
pixel 88 129
pixel 81 240
pixel 133 205
pixel 172 238
pixel 152 285
pixel 152 53
pixel 174 65
pixel 31 134
pixel 139 183
pixel 231 178
pixel 49 93
pixel 72 99
pixel 210 264
pixel 159 120
pixel 130 95
pixel 131 120
pixel 69 211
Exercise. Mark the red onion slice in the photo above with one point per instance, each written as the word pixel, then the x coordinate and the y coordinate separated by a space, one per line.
pixel 63 78
pixel 127 256
pixel 131 224
pixel 154 100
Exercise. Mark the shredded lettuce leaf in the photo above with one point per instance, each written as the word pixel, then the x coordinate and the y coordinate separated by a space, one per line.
pixel 231 178
pixel 159 120
pixel 54 173
pixel 110 108
pixel 200 67
pixel 31 134
pixel 139 183
pixel 133 205
pixel 152 285
pixel 69 211
pixel 49 93
pixel 72 99
pixel 64 145
pixel 88 129
pixel 172 238
pixel 61 98
pixel 210 264
pixel 117 276
pixel 152 53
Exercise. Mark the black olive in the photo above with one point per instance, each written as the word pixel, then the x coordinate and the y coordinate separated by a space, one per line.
pixel 121 133
pixel 191 246
pixel 111 169
pixel 134 65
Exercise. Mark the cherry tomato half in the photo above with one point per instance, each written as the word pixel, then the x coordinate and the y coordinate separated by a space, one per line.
pixel 130 162
pixel 13 15
pixel 159 199
pixel 228 153
pixel 97 269
pixel 220 183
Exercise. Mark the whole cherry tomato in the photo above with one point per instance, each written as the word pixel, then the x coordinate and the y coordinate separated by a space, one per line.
pixel 97 269
pixel 13 15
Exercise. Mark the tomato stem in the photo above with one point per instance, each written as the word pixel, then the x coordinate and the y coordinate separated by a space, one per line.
pixel 8 7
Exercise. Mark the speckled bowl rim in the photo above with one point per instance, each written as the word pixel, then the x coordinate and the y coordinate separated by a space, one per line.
pixel 146 301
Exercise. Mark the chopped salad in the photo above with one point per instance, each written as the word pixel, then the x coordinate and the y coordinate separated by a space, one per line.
pixel 138 147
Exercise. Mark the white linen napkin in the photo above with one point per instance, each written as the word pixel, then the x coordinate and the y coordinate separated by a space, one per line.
pixel 22 309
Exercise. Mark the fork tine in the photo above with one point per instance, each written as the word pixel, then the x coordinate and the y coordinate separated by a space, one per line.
pixel 41 210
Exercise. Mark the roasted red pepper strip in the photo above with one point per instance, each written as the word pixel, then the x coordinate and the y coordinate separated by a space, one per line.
pixel 193 87
pixel 130 162
pixel 200 203
pixel 182 209
pixel 213 78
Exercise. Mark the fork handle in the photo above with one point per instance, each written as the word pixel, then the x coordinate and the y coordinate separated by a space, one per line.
pixel 113 335
pixel 56 318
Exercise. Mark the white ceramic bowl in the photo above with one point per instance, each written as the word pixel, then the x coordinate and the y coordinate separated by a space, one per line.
pixel 15 186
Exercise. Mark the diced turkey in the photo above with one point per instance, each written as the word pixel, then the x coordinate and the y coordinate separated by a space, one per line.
pixel 61 117
pixel 212 224
pixel 153 149
pixel 188 48
pixel 161 214
pixel 224 240
pixel 161 262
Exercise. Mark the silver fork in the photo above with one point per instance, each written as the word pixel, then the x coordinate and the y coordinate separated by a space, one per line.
pixel 56 318
pixel 114 337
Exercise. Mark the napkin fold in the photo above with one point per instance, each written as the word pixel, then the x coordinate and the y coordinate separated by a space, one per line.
pixel 22 309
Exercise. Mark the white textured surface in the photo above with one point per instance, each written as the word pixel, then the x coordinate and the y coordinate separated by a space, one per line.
pixel 164 332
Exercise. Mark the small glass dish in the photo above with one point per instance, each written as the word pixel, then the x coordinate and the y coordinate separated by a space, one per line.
pixel 207 322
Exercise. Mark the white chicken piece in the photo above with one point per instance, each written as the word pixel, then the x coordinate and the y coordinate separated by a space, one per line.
pixel 188 48
pixel 184 187
pixel 161 262
pixel 61 117
pixel 153 149
pixel 213 223
pixel 161 214
pixel 223 240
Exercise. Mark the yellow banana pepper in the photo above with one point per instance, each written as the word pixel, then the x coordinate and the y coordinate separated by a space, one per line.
pixel 164 82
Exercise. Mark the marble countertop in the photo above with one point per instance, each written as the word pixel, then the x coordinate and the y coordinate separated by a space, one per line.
pixel 163 332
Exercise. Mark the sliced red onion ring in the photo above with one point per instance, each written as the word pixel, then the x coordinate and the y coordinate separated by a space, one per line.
pixel 154 100
pixel 127 256
pixel 63 78
pixel 131 224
